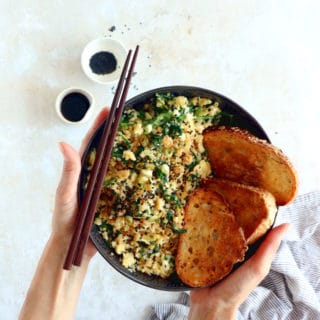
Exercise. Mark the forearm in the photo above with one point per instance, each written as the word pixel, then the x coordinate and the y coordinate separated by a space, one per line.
pixel 54 292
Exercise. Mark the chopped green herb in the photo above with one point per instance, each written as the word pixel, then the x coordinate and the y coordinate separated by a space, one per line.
pixel 161 175
pixel 191 107
pixel 162 222
pixel 109 182
pixel 164 97
pixel 172 198
pixel 125 119
pixel 170 216
pixel 141 115
pixel 156 249
pixel 139 215
pixel 125 140
pixel 182 116
pixel 197 111
pixel 173 130
pixel 117 151
pixel 204 118
pixel 161 119
pixel 107 227
pixel 142 251
pixel 156 139
pixel 178 231
pixel 108 243
pixel 170 223
pixel 138 151
pixel 194 162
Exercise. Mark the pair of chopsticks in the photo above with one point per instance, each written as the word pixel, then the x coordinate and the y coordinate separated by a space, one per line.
pixel 88 206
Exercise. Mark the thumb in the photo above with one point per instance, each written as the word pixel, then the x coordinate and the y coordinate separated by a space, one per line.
pixel 253 271
pixel 67 189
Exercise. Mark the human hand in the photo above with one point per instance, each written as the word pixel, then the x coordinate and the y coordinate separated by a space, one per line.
pixel 223 299
pixel 66 203
pixel 54 292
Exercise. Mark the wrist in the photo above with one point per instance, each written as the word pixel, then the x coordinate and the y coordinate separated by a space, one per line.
pixel 213 315
pixel 213 312
pixel 60 243
pixel 54 292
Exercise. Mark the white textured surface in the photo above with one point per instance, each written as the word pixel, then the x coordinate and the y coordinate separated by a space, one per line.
pixel 262 54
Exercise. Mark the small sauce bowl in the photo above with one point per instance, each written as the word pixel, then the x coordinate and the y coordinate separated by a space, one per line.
pixel 100 46
pixel 74 105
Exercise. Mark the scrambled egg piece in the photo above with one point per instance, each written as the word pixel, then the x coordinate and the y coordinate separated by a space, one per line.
pixel 158 159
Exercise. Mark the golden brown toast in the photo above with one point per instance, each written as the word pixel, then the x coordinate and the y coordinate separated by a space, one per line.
pixel 237 155
pixel 213 243
pixel 253 208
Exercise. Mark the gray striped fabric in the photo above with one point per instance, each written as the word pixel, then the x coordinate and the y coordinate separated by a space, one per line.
pixel 291 291
pixel 171 311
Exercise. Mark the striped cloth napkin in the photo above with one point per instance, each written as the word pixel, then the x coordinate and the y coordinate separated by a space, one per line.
pixel 291 291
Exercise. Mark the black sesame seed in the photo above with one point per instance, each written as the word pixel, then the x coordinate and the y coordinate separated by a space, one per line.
pixel 103 62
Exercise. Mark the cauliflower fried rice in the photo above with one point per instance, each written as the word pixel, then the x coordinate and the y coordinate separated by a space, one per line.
pixel 157 161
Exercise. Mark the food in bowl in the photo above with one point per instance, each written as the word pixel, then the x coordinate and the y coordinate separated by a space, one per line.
pixel 213 243
pixel 240 156
pixel 231 115
pixel 157 161
pixel 159 158
pixel 234 209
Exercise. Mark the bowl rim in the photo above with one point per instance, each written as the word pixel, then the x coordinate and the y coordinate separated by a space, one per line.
pixel 149 93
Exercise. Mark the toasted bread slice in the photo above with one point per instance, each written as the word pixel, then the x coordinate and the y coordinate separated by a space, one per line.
pixel 254 208
pixel 237 155
pixel 213 243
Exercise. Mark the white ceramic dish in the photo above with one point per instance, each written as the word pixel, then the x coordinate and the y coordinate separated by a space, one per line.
pixel 98 45
pixel 67 91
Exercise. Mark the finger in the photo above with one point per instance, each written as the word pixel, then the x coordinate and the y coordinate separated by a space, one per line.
pixel 67 188
pixel 238 285
pixel 264 255
pixel 98 121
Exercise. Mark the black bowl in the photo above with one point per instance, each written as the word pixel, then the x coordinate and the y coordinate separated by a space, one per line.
pixel 241 118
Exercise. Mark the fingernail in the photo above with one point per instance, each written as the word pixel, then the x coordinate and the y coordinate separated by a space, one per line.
pixel 286 229
pixel 288 226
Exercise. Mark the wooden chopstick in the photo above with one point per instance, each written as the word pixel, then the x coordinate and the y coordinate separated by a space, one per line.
pixel 104 165
pixel 94 173
pixel 90 200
